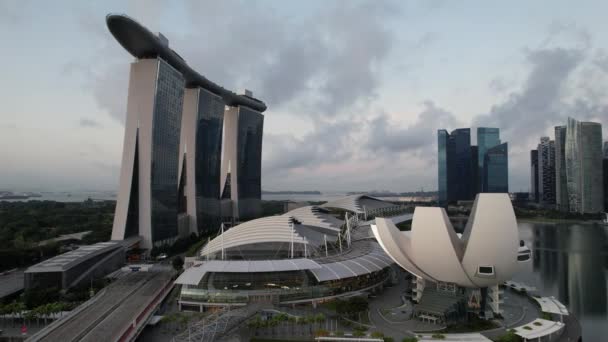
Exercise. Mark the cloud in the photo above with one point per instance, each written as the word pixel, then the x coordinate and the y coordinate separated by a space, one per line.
pixel 538 104
pixel 8 125
pixel 326 62
pixel 327 143
pixel 85 122
pixel 388 136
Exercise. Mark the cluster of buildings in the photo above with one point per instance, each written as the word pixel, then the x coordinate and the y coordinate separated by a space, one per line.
pixel 191 162
pixel 466 170
pixel 570 172
pixel 192 149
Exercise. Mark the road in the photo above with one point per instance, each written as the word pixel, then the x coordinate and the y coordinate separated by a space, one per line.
pixel 113 311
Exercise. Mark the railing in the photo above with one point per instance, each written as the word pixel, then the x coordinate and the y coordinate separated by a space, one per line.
pixel 386 212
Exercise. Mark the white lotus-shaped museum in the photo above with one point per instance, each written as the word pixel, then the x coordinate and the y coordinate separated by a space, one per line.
pixel 485 255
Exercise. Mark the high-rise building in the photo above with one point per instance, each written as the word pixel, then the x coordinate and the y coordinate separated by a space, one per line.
pixel 242 161
pixel 200 160
pixel 474 171
pixel 459 170
pixel 496 169
pixel 584 166
pixel 157 182
pixel 442 163
pixel 546 171
pixel 147 198
pixel 606 176
pixel 561 183
pixel 487 137
pixel 459 161
pixel 534 185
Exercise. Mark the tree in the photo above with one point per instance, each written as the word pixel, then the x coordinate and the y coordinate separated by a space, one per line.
pixel 178 263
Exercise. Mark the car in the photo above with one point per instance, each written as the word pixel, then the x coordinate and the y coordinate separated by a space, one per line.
pixel 161 256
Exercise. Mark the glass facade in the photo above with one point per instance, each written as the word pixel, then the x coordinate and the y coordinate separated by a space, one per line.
pixel 442 161
pixel 459 161
pixel 496 169
pixel 487 138
pixel 474 172
pixel 584 166
pixel 561 183
pixel 283 286
pixel 209 124
pixel 546 171
pixel 249 163
pixel 166 124
pixel 534 176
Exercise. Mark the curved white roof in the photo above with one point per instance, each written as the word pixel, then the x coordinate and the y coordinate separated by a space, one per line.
pixel 194 274
pixel 365 257
pixel 486 255
pixel 357 203
pixel 266 229
pixel 317 217
pixel 308 225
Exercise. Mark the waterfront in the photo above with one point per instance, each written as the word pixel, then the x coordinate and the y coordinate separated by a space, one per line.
pixel 570 262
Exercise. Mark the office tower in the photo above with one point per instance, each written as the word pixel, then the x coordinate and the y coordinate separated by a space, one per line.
pixel 200 162
pixel 561 183
pixel 534 186
pixel 584 166
pixel 157 182
pixel 459 161
pixel 486 138
pixel 496 169
pixel 442 161
pixel 606 176
pixel 546 171
pixel 474 171
pixel 147 198
pixel 242 161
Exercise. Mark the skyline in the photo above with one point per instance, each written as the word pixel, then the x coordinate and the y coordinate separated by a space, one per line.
pixel 344 100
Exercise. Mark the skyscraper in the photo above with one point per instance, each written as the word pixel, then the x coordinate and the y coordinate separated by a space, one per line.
pixel 487 138
pixel 147 198
pixel 584 166
pixel 459 161
pixel 157 182
pixel 546 171
pixel 496 169
pixel 242 161
pixel 442 163
pixel 561 183
pixel 200 159
pixel 474 171
pixel 534 185
pixel 606 176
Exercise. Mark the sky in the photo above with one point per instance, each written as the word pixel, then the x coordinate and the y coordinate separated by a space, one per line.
pixel 356 90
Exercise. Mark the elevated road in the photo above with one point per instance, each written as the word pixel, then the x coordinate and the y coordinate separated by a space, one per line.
pixel 118 313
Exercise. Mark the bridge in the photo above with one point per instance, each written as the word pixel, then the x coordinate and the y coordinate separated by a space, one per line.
pixel 117 313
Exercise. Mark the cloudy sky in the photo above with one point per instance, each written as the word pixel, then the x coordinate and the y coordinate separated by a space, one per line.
pixel 356 90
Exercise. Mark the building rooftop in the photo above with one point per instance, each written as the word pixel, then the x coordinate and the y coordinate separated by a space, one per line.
pixel 538 328
pixel 142 43
pixel 475 337
pixel 358 203
pixel 68 260
pixel 551 305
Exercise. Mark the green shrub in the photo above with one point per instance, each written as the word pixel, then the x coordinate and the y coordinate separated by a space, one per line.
pixel 377 334
pixel 358 333
pixel 438 336
pixel 409 339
